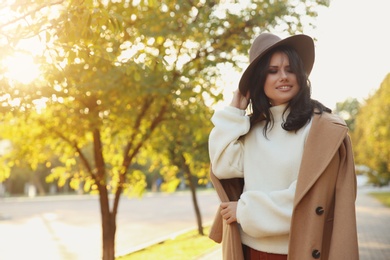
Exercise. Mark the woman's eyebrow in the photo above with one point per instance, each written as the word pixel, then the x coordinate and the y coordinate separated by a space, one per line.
pixel 277 66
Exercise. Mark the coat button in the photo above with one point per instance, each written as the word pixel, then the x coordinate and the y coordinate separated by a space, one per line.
pixel 320 211
pixel 316 254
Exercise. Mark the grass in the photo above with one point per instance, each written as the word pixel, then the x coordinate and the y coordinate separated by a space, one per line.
pixel 383 197
pixel 186 246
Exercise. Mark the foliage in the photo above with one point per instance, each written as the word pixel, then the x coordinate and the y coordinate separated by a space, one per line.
pixel 116 75
pixel 348 110
pixel 373 134
pixel 96 53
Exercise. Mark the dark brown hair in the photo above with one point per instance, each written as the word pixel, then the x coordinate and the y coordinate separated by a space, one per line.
pixel 301 106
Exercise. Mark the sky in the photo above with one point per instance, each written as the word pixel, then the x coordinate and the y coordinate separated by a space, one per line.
pixel 352 51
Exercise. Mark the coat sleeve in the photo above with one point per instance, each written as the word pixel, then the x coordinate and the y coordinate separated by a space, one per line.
pixel 344 242
pixel 228 234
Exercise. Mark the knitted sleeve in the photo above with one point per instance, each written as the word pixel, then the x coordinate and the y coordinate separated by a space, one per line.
pixel 261 214
pixel 225 147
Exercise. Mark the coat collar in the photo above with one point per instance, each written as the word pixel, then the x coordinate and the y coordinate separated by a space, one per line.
pixel 324 139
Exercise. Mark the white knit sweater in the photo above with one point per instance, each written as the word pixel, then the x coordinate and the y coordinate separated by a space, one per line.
pixel 270 167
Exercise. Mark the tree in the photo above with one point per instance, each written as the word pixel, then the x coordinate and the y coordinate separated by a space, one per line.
pixel 115 74
pixel 373 134
pixel 183 143
pixel 348 110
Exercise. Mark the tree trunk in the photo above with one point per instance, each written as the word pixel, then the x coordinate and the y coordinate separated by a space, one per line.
pixel 195 201
pixel 108 217
pixel 108 227
pixel 38 184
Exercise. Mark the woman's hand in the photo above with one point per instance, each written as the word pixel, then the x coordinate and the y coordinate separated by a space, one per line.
pixel 229 211
pixel 239 101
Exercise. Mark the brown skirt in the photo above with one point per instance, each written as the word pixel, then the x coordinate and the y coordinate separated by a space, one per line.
pixel 252 254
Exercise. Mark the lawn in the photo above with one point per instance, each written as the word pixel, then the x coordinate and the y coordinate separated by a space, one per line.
pixel 383 197
pixel 186 246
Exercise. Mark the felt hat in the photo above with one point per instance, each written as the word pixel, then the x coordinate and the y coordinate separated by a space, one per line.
pixel 265 42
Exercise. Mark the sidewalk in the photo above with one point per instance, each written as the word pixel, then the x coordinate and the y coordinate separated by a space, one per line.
pixel 373 221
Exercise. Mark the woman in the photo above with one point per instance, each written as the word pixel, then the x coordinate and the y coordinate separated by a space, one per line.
pixel 282 163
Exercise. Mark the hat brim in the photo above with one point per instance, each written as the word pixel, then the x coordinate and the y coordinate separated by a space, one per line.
pixel 303 45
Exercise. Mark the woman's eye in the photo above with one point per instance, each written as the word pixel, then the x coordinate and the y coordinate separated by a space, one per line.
pixel 272 71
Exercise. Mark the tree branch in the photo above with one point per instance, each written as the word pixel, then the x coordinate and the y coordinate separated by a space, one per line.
pixel 83 158
pixel 30 13
pixel 129 157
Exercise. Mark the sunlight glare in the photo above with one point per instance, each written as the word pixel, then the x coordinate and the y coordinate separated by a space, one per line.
pixel 21 68
pixel 40 104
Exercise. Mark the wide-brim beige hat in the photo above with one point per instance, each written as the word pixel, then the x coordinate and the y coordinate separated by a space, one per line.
pixel 265 42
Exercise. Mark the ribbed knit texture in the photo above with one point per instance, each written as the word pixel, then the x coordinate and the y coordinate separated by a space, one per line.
pixel 271 169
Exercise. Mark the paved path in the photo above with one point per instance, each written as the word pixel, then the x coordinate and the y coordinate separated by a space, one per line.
pixel 69 227
pixel 373 227
pixel 373 220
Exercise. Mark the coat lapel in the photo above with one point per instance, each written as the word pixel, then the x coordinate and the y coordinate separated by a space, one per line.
pixel 325 136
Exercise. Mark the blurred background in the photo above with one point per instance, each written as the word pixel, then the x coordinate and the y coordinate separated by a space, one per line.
pixel 102 102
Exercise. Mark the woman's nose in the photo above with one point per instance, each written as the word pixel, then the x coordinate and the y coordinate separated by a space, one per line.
pixel 283 75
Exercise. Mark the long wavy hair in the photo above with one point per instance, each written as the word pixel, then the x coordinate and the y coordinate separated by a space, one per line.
pixel 302 106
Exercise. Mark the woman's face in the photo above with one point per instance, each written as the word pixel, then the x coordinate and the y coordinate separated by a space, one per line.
pixel 281 83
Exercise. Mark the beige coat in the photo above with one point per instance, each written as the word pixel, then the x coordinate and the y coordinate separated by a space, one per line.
pixel 323 224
